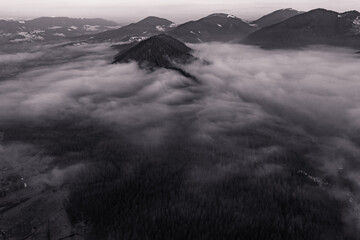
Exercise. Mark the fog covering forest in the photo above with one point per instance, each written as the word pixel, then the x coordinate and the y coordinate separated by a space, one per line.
pixel 264 146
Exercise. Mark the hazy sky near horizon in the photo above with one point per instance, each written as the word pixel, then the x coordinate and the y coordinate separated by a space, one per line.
pixel 175 10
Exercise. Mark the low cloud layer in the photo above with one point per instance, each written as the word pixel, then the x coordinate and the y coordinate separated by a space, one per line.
pixel 312 91
pixel 274 100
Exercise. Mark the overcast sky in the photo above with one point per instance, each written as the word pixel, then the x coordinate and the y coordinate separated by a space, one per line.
pixel 175 10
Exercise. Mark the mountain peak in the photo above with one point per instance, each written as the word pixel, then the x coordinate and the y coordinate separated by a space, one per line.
pixel 160 51
pixel 138 31
pixel 349 14
pixel 151 17
pixel 318 26
pixel 321 11
pixel 154 21
pixel 288 9
pixel 276 17
pixel 220 27
pixel 223 15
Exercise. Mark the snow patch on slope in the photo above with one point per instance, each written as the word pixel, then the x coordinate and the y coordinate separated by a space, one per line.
pixel 160 28
pixel 55 27
pixel 356 26
pixel 59 34
pixel 37 31
pixel 357 21
pixel 91 28
pixel 137 39
pixel 27 37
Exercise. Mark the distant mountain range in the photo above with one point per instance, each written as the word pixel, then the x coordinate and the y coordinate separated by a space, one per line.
pixel 285 28
pixel 215 27
pixel 220 27
pixel 315 27
pixel 51 28
pixel 275 17
pixel 141 30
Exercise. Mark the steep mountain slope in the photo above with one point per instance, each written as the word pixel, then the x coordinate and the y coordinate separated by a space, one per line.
pixel 9 28
pixel 318 26
pixel 145 28
pixel 51 28
pixel 215 27
pixel 275 17
pixel 160 51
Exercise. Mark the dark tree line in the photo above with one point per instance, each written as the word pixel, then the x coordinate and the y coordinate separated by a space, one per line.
pixel 140 192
